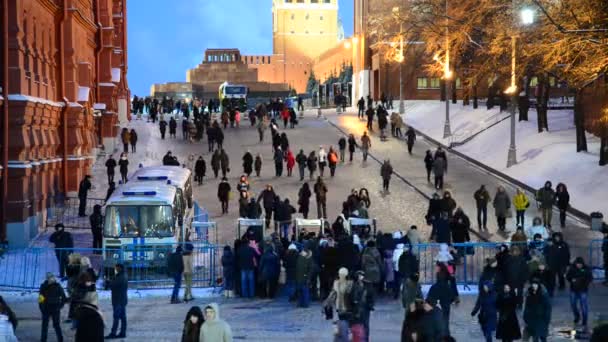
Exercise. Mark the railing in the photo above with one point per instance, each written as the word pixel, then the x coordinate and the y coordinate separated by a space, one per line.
pixel 25 269
pixel 66 211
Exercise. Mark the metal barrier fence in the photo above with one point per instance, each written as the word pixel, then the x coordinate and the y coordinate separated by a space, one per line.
pixel 25 269
pixel 66 211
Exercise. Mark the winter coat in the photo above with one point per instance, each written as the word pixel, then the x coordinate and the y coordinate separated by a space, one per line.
pixel 304 199
pixel 200 167
pixel 119 286
pixel 342 143
pixel 520 201
pixel 301 159
pixel 175 263
pixel 508 323
pixel 311 162
pixel 290 263
pixel 434 209
pixel 223 191
pixel 244 258
pixel 270 266
pixel 502 204
pixel 537 313
pixel 429 161
pixel 486 306
pixel 546 278
pixel 372 264
pixel 408 264
pixel 90 325
pixel 126 137
pixel 258 163
pixel 110 166
pixel 411 136
pixel 187 260
pixel 124 165
pixel 439 167
pixel 533 230
pixel 191 331
pixel 320 191
pixel 546 197
pixel 482 197
pixel 557 254
pixel 62 239
pixel 397 252
pixel 348 255
pixel 268 198
pixel 459 226
pixel 441 230
pixel 215 330
pixel 516 271
pixel 291 160
pixel 224 162
pixel 386 171
pixel 228 263
pixel 362 301
pixel 442 292
pixel 579 279
pixel 352 143
pixel 54 296
pixel 563 199
pixel 133 138
pixel 410 291
pixel 304 268
pixel 247 163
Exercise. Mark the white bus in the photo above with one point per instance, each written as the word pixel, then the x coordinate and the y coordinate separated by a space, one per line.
pixel 141 224
pixel 179 177
pixel 236 94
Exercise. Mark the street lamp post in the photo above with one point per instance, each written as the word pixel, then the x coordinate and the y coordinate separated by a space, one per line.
pixel 447 130
pixel 400 58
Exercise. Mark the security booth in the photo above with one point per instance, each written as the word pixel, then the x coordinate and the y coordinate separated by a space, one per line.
pixel 309 225
pixel 203 232
pixel 364 228
pixel 255 226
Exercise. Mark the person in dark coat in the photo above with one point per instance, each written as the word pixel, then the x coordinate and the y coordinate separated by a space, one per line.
pixel 342 148
pixel 63 243
pixel 442 292
pixel 545 197
pixel 410 135
pixel 441 229
pixel 247 163
pixel 96 220
pixel 175 268
pixel 537 312
pixel 118 287
pixel 459 226
pixel 348 254
pixel 278 161
pixel 290 262
pixel 386 171
pixel 223 194
pixel 172 128
pixel 267 197
pixel 83 190
pixel 440 153
pixel 486 307
pixel 224 162
pixel 362 301
pixel 448 204
pixel 254 210
pixel 162 126
pixel 192 325
pixel 90 324
pixel 123 164
pixel 545 277
pixel 328 262
pixel 304 199
pixel 200 169
pixel 110 166
pixel 301 160
pixel 502 207
pixel 257 165
pixel 133 140
pixel 428 164
pixel 557 254
pixel 352 144
pixel 283 212
pixel 434 210
pixel 563 202
pixel 580 277
pixel 507 303
pixel 516 271
pixel 110 191
pixel 482 197
pixel 51 299
pixel 215 162
pixel 311 162
pixel 228 271
pixel 270 269
pixel 245 259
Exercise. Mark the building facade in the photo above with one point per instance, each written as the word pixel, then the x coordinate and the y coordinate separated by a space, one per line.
pixel 64 91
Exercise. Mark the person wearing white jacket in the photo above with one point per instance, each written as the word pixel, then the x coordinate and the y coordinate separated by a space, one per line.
pixel 322 155
pixel 537 228
pixel 7 333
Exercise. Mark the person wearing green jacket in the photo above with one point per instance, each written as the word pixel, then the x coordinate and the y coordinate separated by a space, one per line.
pixel 304 268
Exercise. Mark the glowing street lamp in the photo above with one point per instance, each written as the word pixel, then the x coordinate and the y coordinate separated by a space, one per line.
pixel 399 58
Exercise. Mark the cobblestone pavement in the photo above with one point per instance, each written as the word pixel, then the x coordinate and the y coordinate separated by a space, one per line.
pixel 462 180
pixel 153 319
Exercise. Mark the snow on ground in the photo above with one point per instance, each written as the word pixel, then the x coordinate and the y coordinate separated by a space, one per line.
pixel 546 156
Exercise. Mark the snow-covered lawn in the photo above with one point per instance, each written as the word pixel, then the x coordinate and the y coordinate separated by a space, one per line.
pixel 546 156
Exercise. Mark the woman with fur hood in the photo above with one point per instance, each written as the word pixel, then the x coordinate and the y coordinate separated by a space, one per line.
pixel 192 325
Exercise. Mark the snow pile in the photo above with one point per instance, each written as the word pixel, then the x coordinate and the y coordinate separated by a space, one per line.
pixel 541 156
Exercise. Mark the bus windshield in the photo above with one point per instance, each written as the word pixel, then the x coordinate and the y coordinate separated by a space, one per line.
pixel 139 221
pixel 233 90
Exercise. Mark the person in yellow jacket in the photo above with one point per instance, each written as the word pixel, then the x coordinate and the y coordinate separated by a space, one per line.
pixel 521 203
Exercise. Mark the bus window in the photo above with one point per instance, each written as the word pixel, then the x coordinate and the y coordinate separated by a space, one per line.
pixel 138 221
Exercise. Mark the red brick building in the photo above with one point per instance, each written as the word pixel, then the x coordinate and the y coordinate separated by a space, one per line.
pixel 64 91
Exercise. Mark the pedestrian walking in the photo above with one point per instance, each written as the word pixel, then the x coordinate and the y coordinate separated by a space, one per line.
pixel 224 162
pixel 192 325
pixel 557 255
pixel 444 293
pixel 370 118
pixel 322 157
pixel 125 135
pixel 486 307
pixel 51 299
pixel 63 247
pixel 304 269
pixel 502 207
pixel 482 197
pixel 172 128
pixel 311 162
pixel 366 144
pixel 162 126
pixel 304 200
pixel 262 126
pixel 83 190
pixel 175 268
pixel 507 302
pixel 90 323
pixel 352 144
pixel 223 194
pixel 215 162
pixel 428 163
pixel 362 298
pixel 521 203
pixel 386 171
pixel 268 198
pixel 133 140
pixel 361 108
pixel 563 202
pixel 247 163
pixel 278 161
pixel 257 165
pixel 411 139
pixel 110 167
pixel 302 160
pixel 320 190
pixel 332 160
pixel 537 313
pixel 96 220
pixel 118 287
pixel 290 160
pixel 200 168
pixel 579 276
pixel 123 164
pixel 545 197
pixel 215 329
pixel 438 171
pixel 187 260
pixel 342 148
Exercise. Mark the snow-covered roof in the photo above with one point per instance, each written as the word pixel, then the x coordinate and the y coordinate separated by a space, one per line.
pixel 160 174
pixel 138 193
pixel 22 97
